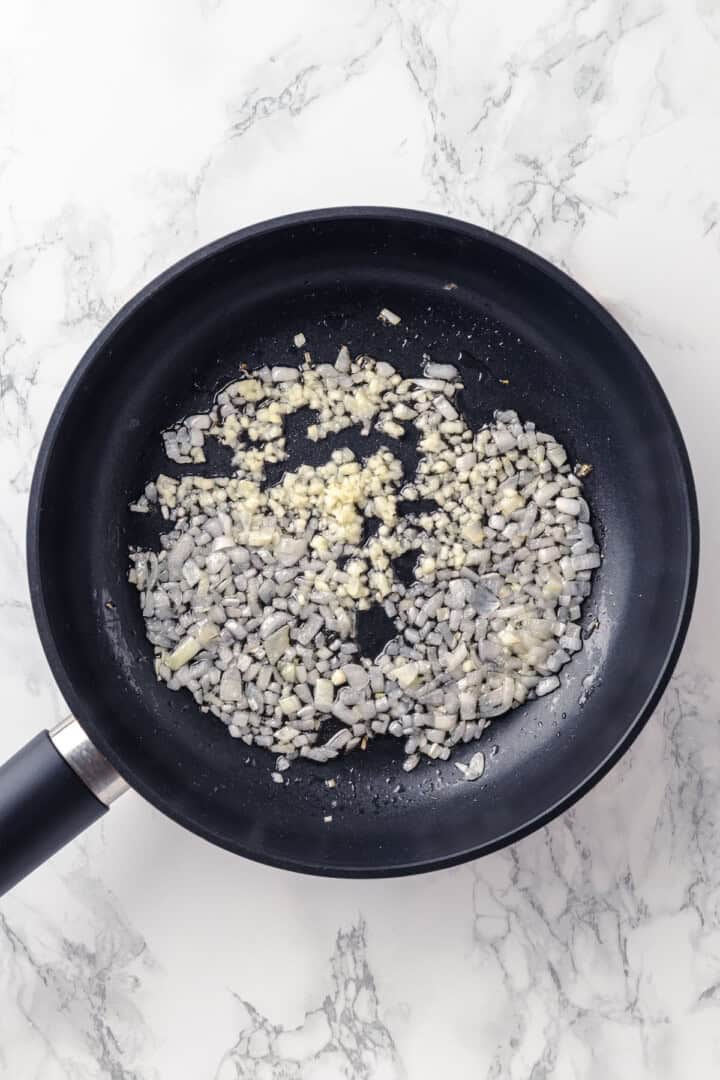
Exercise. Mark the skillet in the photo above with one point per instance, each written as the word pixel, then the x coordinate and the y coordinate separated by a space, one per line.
pixel 526 337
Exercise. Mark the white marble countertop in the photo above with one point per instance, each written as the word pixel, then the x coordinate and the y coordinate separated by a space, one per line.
pixel 586 129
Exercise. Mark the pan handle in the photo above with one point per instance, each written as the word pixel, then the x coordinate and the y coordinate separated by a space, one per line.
pixel 51 790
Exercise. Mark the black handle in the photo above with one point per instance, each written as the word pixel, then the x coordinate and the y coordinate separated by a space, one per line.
pixel 43 805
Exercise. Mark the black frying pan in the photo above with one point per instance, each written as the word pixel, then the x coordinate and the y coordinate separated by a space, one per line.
pixel 527 338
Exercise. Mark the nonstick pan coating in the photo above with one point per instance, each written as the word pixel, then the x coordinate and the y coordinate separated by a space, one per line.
pixel 529 339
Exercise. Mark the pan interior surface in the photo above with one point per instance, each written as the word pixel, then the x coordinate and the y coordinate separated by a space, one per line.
pixel 525 338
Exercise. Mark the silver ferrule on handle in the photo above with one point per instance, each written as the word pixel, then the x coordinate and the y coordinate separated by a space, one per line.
pixel 91 766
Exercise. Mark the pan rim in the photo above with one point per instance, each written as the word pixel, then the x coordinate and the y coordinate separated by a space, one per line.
pixel 353 213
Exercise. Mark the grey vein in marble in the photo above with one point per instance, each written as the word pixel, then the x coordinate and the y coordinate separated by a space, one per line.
pixel 343 1037
pixel 76 988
